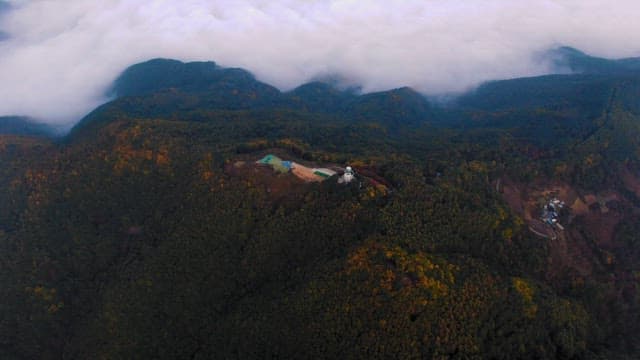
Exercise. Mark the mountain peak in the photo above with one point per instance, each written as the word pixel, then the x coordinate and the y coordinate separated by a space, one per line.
pixel 158 74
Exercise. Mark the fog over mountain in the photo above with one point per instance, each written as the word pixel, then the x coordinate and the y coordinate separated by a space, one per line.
pixel 58 57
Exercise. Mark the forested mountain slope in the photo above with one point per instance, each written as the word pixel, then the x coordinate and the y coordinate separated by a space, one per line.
pixel 148 231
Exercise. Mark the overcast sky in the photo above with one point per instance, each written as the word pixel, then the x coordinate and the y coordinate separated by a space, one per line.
pixel 57 57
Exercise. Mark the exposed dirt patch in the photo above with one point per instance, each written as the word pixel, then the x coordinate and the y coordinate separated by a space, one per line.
pixel 590 222
pixel 602 227
pixel 527 200
pixel 599 246
pixel 579 207
pixel 570 256
pixel 263 176
pixel 305 173
pixel 244 167
pixel 553 189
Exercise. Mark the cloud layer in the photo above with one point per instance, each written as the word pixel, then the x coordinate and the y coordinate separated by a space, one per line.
pixel 61 55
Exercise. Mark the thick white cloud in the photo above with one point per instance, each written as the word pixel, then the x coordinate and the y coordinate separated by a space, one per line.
pixel 62 54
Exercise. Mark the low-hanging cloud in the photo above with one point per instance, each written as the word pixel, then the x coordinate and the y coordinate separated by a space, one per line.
pixel 59 56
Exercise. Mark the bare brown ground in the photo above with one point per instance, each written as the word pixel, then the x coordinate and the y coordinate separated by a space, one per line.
pixel 569 251
pixel 587 248
pixel 579 207
pixel 602 227
pixel 526 199
pixel 305 173
pixel 263 176
pixel 244 168
pixel 570 255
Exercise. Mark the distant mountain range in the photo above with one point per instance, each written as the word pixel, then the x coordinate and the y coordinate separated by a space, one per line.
pixel 163 85
pixel 233 89
pixel 543 109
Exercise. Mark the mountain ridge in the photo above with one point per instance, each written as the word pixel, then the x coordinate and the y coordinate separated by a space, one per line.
pixel 591 73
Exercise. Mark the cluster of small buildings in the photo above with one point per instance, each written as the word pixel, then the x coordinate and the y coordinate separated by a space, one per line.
pixel 550 213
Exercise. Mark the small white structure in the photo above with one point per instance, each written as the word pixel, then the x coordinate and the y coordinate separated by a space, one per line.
pixel 347 177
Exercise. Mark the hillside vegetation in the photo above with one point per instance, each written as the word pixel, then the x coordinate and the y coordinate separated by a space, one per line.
pixel 131 238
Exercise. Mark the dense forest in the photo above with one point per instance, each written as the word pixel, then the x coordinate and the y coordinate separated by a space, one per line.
pixel 148 231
